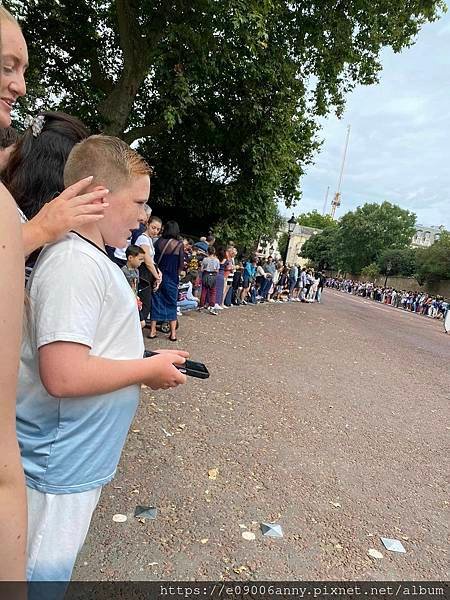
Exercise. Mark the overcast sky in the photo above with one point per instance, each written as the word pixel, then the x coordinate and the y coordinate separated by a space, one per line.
pixel 399 147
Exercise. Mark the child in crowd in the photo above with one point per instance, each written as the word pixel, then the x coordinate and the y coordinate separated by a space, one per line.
pixel 186 299
pixel 236 284
pixel 135 258
pixel 248 278
pixel 82 362
pixel 210 268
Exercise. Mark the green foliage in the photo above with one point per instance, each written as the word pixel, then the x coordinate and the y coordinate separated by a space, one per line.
pixel 320 249
pixel 223 98
pixel 433 263
pixel 363 235
pixel 371 272
pixel 401 262
pixel 283 243
pixel 316 220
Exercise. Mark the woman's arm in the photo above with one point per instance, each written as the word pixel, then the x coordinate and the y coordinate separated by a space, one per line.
pixel 149 262
pixel 189 294
pixel 68 211
pixel 181 257
pixel 13 518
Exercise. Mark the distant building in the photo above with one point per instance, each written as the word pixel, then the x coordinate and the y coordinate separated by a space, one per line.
pixel 425 236
pixel 298 238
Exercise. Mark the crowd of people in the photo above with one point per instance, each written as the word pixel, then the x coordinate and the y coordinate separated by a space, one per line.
pixel 73 209
pixel 71 205
pixel 421 303
pixel 171 274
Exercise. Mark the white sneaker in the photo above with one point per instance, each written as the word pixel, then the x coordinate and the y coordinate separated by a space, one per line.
pixel 217 307
pixel 212 311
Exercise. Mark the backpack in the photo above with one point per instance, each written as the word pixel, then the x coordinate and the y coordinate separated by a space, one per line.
pixel 209 280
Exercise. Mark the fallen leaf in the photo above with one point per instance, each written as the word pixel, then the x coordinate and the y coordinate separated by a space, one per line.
pixel 335 504
pixel 239 570
pixel 118 518
pixel 248 535
pixel 212 473
pixel 204 541
pixel 374 553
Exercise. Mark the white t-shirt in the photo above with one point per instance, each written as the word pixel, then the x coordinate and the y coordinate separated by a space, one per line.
pixel 77 294
pixel 144 240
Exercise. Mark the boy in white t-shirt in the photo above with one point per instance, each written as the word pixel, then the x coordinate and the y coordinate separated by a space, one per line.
pixel 82 365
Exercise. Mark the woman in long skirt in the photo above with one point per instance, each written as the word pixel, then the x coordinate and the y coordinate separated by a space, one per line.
pixel 169 258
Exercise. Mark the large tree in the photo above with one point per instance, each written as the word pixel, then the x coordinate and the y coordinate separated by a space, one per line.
pixel 433 263
pixel 222 96
pixel 316 220
pixel 398 262
pixel 320 249
pixel 364 234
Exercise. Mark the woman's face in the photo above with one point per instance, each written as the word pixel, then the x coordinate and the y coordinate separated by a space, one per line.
pixel 154 227
pixel 15 64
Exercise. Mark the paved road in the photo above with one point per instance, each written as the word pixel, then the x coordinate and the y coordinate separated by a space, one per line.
pixel 307 405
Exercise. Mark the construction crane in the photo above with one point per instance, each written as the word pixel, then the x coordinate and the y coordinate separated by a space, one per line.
pixel 325 202
pixel 336 202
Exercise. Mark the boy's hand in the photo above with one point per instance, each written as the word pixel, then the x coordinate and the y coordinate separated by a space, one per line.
pixel 182 353
pixel 162 374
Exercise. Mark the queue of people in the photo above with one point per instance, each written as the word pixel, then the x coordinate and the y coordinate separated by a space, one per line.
pixel 197 276
pixel 421 303
pixel 71 386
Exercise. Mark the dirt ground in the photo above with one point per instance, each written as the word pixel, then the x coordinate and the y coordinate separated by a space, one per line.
pixel 329 419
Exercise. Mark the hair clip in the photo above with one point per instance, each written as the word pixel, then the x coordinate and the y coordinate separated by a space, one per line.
pixel 35 123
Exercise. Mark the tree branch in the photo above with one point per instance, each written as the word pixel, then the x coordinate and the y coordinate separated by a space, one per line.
pixel 141 132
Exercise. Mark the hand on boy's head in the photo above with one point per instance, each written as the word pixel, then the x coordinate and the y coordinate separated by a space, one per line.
pixel 71 210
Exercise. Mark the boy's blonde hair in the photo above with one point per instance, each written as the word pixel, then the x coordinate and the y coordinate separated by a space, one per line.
pixel 109 159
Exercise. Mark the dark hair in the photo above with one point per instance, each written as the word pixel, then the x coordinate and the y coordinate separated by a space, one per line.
pixel 133 251
pixel 190 277
pixel 210 239
pixel 211 250
pixel 171 230
pixel 220 253
pixel 35 172
pixel 8 137
pixel 154 218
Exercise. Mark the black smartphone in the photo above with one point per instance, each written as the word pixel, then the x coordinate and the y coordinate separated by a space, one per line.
pixel 190 368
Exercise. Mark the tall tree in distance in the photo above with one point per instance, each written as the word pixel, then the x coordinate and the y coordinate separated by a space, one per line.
pixel 320 249
pixel 316 220
pixel 371 229
pixel 223 97
pixel 433 263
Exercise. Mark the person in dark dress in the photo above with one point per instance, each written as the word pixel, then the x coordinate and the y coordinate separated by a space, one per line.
pixel 169 258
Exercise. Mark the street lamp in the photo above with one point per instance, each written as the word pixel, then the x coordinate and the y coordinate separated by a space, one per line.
pixel 291 226
pixel 388 270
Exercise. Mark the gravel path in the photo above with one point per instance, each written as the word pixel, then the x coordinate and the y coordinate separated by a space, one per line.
pixel 328 419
